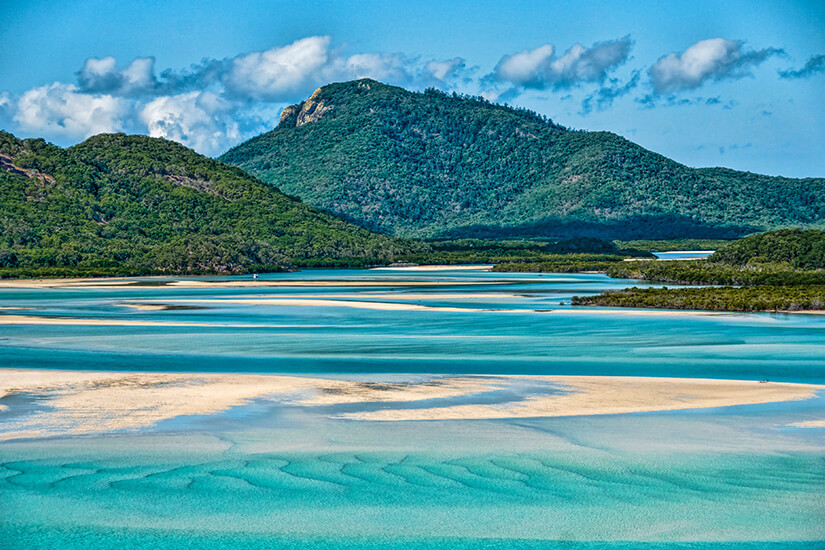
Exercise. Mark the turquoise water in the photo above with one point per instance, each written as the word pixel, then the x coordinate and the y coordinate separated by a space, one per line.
pixel 271 475
pixel 684 254
pixel 518 335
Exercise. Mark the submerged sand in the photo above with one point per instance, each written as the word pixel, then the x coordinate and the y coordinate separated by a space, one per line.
pixel 809 424
pixel 74 403
pixel 96 322
pixel 435 267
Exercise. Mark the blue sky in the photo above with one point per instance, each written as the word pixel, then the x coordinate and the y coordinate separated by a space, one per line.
pixel 734 83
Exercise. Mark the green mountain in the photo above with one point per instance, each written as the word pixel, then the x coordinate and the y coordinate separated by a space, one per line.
pixel 447 166
pixel 134 204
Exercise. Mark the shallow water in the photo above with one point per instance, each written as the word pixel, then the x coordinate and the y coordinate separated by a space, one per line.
pixel 265 475
pixel 684 254
pixel 524 330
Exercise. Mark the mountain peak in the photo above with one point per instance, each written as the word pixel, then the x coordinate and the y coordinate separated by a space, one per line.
pixel 438 165
pixel 324 99
pixel 309 110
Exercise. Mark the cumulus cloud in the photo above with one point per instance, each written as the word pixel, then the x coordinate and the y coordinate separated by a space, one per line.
pixel 816 64
pixel 713 59
pixel 62 110
pixel 276 74
pixel 271 73
pixel 394 68
pixel 446 70
pixel 203 121
pixel 6 109
pixel 211 105
pixel 540 68
pixel 282 73
pixel 101 75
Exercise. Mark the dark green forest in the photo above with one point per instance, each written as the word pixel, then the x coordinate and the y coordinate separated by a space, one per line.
pixel 781 270
pixel 564 251
pixel 758 298
pixel 654 245
pixel 782 257
pixel 792 247
pixel 118 204
pixel 448 166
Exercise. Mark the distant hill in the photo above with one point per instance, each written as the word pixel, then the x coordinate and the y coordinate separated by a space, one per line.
pixel 134 204
pixel 446 166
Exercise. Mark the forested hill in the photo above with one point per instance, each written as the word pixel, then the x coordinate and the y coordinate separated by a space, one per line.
pixel 436 165
pixel 134 204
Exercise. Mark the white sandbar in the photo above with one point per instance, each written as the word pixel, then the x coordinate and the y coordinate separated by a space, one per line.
pixel 95 402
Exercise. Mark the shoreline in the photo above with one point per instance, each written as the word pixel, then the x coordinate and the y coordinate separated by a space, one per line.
pixel 91 402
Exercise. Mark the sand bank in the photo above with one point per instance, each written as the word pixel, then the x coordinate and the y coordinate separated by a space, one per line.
pixel 93 322
pixel 141 282
pixel 75 283
pixel 434 268
pixel 95 402
pixel 597 395
pixel 343 283
pixel 308 302
pixel 390 294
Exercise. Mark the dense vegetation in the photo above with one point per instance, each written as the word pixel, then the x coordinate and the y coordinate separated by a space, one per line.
pixel 118 204
pixel 793 247
pixel 782 257
pixel 757 298
pixel 658 245
pixel 570 263
pixel 436 165
pixel 780 270
pixel 704 272
pixel 476 251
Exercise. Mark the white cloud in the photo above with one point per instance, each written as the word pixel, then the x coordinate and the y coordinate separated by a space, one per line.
pixel 201 120
pixel 273 73
pixel 716 58
pixel 385 67
pixel 277 74
pixel 140 74
pixel 6 110
pixel 540 68
pixel 61 110
pixel 524 66
pixel 101 75
pixel 445 70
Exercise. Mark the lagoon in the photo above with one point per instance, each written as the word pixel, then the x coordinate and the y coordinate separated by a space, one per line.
pixel 314 466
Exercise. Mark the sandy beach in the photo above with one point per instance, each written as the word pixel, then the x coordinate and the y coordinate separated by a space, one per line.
pixel 96 402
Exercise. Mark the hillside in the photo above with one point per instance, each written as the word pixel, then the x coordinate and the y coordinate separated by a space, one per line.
pixel 134 204
pixel 445 166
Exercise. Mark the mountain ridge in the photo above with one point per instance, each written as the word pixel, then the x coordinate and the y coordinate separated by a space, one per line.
pixel 136 204
pixel 434 165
